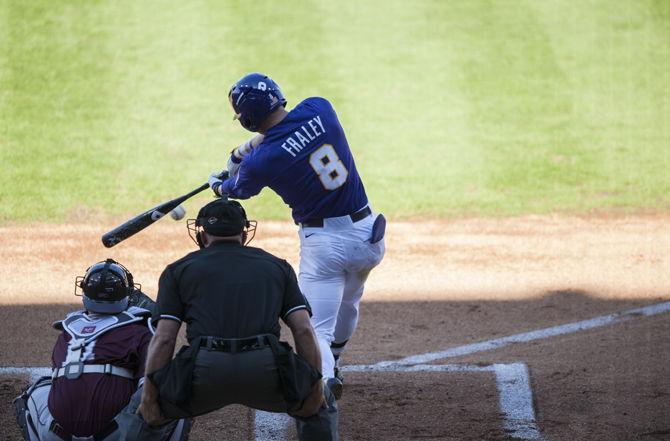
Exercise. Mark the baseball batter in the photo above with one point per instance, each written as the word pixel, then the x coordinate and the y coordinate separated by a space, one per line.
pixel 303 155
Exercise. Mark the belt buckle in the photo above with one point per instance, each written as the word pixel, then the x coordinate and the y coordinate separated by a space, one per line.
pixel 220 345
pixel 58 430
pixel 245 345
pixel 74 370
pixel 255 345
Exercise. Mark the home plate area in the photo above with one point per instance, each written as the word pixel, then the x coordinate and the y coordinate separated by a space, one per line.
pixel 416 397
pixel 408 402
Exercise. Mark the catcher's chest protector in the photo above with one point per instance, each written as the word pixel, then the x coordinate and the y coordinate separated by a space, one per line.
pixel 84 329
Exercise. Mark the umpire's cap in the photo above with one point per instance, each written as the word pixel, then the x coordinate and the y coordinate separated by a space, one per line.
pixel 222 217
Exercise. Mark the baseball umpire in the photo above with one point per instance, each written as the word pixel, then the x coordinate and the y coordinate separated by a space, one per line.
pixel 303 156
pixel 98 361
pixel 232 296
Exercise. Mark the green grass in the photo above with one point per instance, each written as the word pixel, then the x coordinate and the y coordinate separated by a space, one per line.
pixel 452 108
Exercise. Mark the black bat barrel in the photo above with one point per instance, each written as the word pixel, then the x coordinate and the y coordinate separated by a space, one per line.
pixel 141 221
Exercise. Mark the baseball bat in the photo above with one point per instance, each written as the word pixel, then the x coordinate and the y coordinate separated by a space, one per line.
pixel 141 221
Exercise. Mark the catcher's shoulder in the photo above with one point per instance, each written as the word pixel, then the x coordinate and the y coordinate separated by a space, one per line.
pixel 58 324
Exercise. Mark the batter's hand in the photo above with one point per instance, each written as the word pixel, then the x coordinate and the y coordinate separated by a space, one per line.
pixel 233 165
pixel 240 152
pixel 216 180
pixel 315 401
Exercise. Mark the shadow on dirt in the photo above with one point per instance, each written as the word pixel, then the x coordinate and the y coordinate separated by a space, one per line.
pixel 610 382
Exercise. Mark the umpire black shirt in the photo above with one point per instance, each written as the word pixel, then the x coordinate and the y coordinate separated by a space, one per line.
pixel 229 290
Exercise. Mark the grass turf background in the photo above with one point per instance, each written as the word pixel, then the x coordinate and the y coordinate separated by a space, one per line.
pixel 452 108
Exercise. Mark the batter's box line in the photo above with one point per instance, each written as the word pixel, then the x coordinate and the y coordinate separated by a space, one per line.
pixel 515 399
pixel 540 334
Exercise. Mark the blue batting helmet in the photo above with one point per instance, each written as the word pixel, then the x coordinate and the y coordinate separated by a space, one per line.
pixel 254 97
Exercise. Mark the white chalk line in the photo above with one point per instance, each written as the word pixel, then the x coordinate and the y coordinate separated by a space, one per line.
pixel 515 395
pixel 515 398
pixel 524 337
pixel 32 372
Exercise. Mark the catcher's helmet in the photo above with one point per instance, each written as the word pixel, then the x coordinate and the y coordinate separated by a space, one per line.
pixel 106 287
pixel 254 97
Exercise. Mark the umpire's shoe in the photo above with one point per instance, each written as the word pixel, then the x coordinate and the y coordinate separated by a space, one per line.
pixel 336 384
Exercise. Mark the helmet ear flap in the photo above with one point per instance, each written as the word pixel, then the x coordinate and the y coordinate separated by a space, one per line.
pixel 246 123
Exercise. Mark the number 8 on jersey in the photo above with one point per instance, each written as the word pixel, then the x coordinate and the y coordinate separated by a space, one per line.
pixel 329 168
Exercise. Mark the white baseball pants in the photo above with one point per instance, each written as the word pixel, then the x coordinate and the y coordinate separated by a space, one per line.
pixel 335 261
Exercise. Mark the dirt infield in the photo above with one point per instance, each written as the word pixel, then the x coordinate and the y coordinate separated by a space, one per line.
pixel 442 285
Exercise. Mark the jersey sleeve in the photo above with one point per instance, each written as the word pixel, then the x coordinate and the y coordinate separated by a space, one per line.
pixel 293 300
pixel 168 300
pixel 247 183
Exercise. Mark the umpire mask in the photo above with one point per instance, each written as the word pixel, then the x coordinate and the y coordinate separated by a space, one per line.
pixel 221 218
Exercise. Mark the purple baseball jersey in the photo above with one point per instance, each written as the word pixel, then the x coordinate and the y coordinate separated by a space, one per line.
pixel 86 405
pixel 306 160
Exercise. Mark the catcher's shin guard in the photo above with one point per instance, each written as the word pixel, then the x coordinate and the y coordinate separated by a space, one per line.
pixel 23 419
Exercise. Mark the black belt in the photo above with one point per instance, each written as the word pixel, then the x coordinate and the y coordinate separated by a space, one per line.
pixel 355 217
pixel 67 436
pixel 233 345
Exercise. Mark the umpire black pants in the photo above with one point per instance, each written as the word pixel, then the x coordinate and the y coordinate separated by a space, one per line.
pixel 250 378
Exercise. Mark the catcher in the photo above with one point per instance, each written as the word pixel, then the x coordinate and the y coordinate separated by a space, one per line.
pixel 98 363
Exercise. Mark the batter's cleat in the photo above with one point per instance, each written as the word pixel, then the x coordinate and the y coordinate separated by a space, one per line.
pixel 336 384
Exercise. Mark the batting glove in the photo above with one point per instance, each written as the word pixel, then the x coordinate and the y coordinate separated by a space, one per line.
pixel 240 152
pixel 215 182
pixel 234 165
